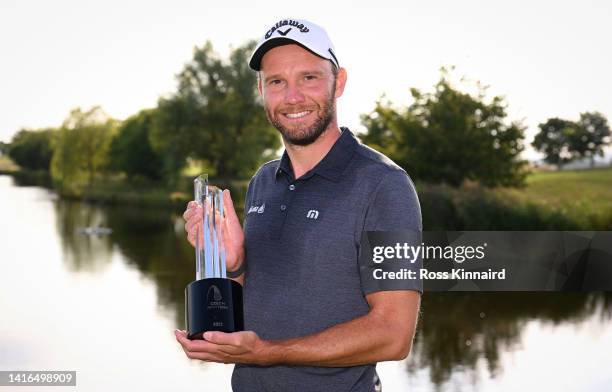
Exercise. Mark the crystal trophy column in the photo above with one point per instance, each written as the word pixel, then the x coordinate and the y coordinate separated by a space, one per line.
pixel 212 302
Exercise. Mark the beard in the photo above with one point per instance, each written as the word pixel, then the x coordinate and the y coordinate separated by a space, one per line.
pixel 305 135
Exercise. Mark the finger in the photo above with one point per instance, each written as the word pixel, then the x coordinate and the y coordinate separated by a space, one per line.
pixel 192 224
pixel 230 212
pixel 179 333
pixel 206 351
pixel 191 212
pixel 219 337
pixel 195 345
pixel 208 357
pixel 191 228
pixel 180 337
pixel 195 233
pixel 188 214
pixel 194 219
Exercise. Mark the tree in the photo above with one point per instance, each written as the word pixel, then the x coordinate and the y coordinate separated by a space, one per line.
pixel 449 136
pixel 591 136
pixel 81 147
pixel 4 148
pixel 216 115
pixel 31 149
pixel 131 151
pixel 553 141
pixel 563 141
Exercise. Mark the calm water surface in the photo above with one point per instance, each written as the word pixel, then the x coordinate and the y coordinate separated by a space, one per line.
pixel 106 306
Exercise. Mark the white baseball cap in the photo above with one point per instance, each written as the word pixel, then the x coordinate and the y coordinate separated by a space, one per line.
pixel 308 35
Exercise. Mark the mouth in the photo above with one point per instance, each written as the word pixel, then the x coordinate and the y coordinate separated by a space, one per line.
pixel 297 115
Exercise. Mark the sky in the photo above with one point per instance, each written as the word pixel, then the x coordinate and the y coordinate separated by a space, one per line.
pixel 547 58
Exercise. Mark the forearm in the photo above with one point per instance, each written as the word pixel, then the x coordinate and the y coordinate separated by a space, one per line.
pixel 367 339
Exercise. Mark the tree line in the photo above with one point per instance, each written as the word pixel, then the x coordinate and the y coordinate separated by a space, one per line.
pixel 215 121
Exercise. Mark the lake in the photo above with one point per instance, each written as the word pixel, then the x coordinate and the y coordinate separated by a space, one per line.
pixel 106 306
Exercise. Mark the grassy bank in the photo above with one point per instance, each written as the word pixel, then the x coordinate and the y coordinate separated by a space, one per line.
pixel 585 196
pixel 567 200
pixel 119 190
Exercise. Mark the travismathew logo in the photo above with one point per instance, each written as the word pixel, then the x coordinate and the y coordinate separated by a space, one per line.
pixel 215 299
pixel 258 209
pixel 285 22
pixel 312 214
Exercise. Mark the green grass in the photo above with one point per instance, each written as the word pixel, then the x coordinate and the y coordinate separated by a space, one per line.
pixel 568 200
pixel 583 195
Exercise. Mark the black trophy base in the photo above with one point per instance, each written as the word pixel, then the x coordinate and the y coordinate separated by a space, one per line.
pixel 213 304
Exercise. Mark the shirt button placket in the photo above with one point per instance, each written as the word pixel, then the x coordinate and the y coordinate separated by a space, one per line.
pixel 284 208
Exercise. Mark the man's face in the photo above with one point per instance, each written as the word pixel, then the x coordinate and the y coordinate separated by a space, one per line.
pixel 299 92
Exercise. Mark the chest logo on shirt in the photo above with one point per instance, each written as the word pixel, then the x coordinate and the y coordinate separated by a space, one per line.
pixel 258 209
pixel 312 214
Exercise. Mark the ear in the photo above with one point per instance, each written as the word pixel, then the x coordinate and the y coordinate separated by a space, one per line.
pixel 259 86
pixel 340 82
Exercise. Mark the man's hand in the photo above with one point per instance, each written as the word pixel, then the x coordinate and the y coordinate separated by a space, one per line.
pixel 385 333
pixel 238 347
pixel 232 230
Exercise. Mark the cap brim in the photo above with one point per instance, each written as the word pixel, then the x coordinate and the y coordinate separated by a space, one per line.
pixel 255 61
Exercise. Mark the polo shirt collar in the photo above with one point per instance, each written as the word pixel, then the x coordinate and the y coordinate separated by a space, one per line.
pixel 333 163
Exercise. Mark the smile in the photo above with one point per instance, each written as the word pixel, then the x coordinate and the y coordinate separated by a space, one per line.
pixel 297 115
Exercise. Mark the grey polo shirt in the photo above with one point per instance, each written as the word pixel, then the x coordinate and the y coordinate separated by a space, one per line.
pixel 302 244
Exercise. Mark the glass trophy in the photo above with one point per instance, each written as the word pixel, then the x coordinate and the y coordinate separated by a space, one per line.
pixel 212 301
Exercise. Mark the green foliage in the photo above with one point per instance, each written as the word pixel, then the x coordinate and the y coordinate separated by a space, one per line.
pixel 449 136
pixel 31 149
pixel 475 208
pixel 215 116
pixel 563 141
pixel 552 140
pixel 131 151
pixel 81 147
pixel 593 135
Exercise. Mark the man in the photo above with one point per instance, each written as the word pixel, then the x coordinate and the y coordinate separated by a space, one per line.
pixel 314 321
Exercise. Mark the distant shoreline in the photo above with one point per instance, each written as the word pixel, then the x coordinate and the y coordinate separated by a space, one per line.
pixel 551 200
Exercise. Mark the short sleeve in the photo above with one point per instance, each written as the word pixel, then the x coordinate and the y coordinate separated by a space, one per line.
pixel 394 205
pixel 394 215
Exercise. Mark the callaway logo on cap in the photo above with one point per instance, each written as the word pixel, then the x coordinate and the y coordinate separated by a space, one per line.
pixel 295 31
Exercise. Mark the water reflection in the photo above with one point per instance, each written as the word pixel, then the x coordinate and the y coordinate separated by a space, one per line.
pixel 82 252
pixel 149 239
pixel 456 333
pixel 455 330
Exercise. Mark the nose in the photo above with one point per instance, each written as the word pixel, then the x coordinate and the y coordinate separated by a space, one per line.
pixel 293 95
